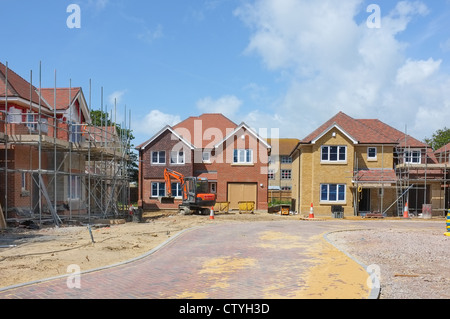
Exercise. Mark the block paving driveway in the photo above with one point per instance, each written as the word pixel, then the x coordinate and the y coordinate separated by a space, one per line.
pixel 261 260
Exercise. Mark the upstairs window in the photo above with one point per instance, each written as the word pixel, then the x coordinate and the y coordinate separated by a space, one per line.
pixel 334 154
pixel 372 153
pixel 413 157
pixel 159 157
pixel 243 156
pixel 177 157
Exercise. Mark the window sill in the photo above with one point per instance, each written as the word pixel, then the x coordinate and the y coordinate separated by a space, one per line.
pixel 333 163
pixel 243 164
pixel 333 203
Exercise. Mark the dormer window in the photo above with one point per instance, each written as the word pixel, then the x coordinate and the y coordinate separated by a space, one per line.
pixel 413 157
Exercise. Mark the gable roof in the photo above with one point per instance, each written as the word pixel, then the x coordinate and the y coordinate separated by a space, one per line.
pixel 248 129
pixel 443 149
pixel 199 125
pixel 64 97
pixel 18 87
pixel 364 131
pixel 164 129
pixel 203 123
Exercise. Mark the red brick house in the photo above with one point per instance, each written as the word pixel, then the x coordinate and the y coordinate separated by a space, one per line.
pixel 28 118
pixel 52 159
pixel 232 157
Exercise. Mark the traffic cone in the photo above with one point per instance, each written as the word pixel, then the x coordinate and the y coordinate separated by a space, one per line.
pixel 406 211
pixel 211 215
pixel 311 211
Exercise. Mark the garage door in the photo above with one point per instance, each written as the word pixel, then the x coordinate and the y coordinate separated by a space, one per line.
pixel 241 192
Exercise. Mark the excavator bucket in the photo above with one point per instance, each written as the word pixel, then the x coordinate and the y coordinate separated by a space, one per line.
pixel 167 200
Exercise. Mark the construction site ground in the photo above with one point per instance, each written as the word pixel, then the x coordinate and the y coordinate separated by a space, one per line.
pixel 322 258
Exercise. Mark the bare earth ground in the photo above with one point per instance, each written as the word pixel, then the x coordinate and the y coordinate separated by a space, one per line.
pixel 415 266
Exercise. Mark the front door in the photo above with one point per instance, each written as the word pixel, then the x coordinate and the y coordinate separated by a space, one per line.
pixel 364 203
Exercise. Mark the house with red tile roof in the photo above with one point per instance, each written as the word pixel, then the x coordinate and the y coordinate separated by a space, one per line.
pixel 31 120
pixel 53 151
pixel 232 157
pixel 362 166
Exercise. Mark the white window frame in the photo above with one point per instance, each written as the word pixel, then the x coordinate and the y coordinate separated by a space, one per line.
pixel 206 157
pixel 271 174
pixel 409 156
pixel 243 156
pixel 178 156
pixel 31 122
pixel 158 189
pixel 372 158
pixel 330 200
pixel 159 157
pixel 328 159
pixel 177 190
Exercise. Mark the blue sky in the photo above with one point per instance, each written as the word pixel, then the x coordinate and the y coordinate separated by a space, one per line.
pixel 284 64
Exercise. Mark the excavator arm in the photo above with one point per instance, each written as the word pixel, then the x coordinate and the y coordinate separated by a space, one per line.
pixel 195 196
pixel 168 175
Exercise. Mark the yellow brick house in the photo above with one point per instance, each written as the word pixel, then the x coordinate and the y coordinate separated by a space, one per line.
pixel 348 165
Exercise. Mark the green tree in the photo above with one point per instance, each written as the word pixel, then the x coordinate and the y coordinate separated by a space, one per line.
pixel 439 138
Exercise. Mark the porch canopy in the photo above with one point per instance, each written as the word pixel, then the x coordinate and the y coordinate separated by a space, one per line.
pixel 375 178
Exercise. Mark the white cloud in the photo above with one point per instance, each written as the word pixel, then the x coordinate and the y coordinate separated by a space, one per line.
pixel 98 4
pixel 335 64
pixel 154 121
pixel 228 105
pixel 149 35
pixel 116 97
pixel 417 71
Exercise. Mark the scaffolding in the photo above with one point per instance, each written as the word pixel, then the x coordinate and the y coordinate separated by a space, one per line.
pixel 421 182
pixel 56 170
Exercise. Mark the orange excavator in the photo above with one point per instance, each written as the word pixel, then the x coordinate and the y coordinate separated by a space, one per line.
pixel 196 198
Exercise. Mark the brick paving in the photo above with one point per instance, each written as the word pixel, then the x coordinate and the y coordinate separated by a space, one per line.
pixel 263 260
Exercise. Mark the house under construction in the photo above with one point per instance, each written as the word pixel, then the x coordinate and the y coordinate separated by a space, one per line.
pixel 56 166
pixel 416 184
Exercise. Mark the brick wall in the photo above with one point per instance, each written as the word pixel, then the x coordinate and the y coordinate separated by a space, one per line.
pixel 221 164
pixel 309 173
pixel 149 172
